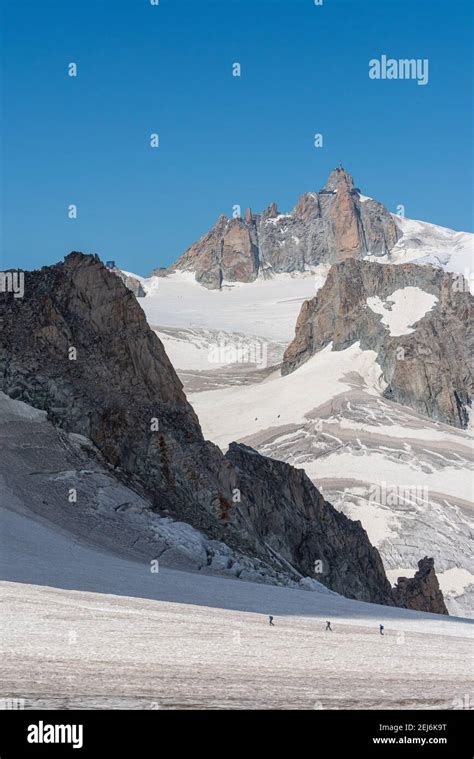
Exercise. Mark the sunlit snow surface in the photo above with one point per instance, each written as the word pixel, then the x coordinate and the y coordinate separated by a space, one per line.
pixel 100 631
pixel 210 646
pixel 425 243
pixel 267 307
pixel 402 309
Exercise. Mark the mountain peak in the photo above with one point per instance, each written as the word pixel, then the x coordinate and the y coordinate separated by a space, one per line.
pixel 339 178
pixel 324 227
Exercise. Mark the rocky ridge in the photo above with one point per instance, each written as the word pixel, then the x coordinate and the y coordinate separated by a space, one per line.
pixel 78 346
pixel 300 517
pixel 426 363
pixel 325 227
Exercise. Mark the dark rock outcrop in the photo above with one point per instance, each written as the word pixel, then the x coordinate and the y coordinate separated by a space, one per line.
pixel 78 346
pixel 325 227
pixel 282 508
pixel 421 592
pixel 428 368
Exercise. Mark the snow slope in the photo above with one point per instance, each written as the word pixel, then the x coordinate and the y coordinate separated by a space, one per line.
pixel 87 629
pixel 234 413
pixel 203 349
pixel 191 320
pixel 425 243
pixel 267 307
pixel 69 649
pixel 402 309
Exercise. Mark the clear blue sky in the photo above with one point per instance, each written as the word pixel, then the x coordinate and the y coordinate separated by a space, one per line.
pixel 223 140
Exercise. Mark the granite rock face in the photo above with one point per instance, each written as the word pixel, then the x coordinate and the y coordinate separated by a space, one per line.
pixel 324 227
pixel 426 365
pixel 228 252
pixel 288 513
pixel 78 346
pixel 421 592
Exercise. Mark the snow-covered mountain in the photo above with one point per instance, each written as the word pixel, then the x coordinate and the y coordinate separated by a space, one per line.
pixel 425 243
pixel 324 228
pixel 406 477
pixel 192 320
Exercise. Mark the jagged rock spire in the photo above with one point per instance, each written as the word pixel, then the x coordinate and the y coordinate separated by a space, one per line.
pixel 324 227
pixel 272 210
pixel 338 179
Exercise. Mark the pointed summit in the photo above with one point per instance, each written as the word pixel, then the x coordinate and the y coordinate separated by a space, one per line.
pixel 339 178
pixel 271 212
